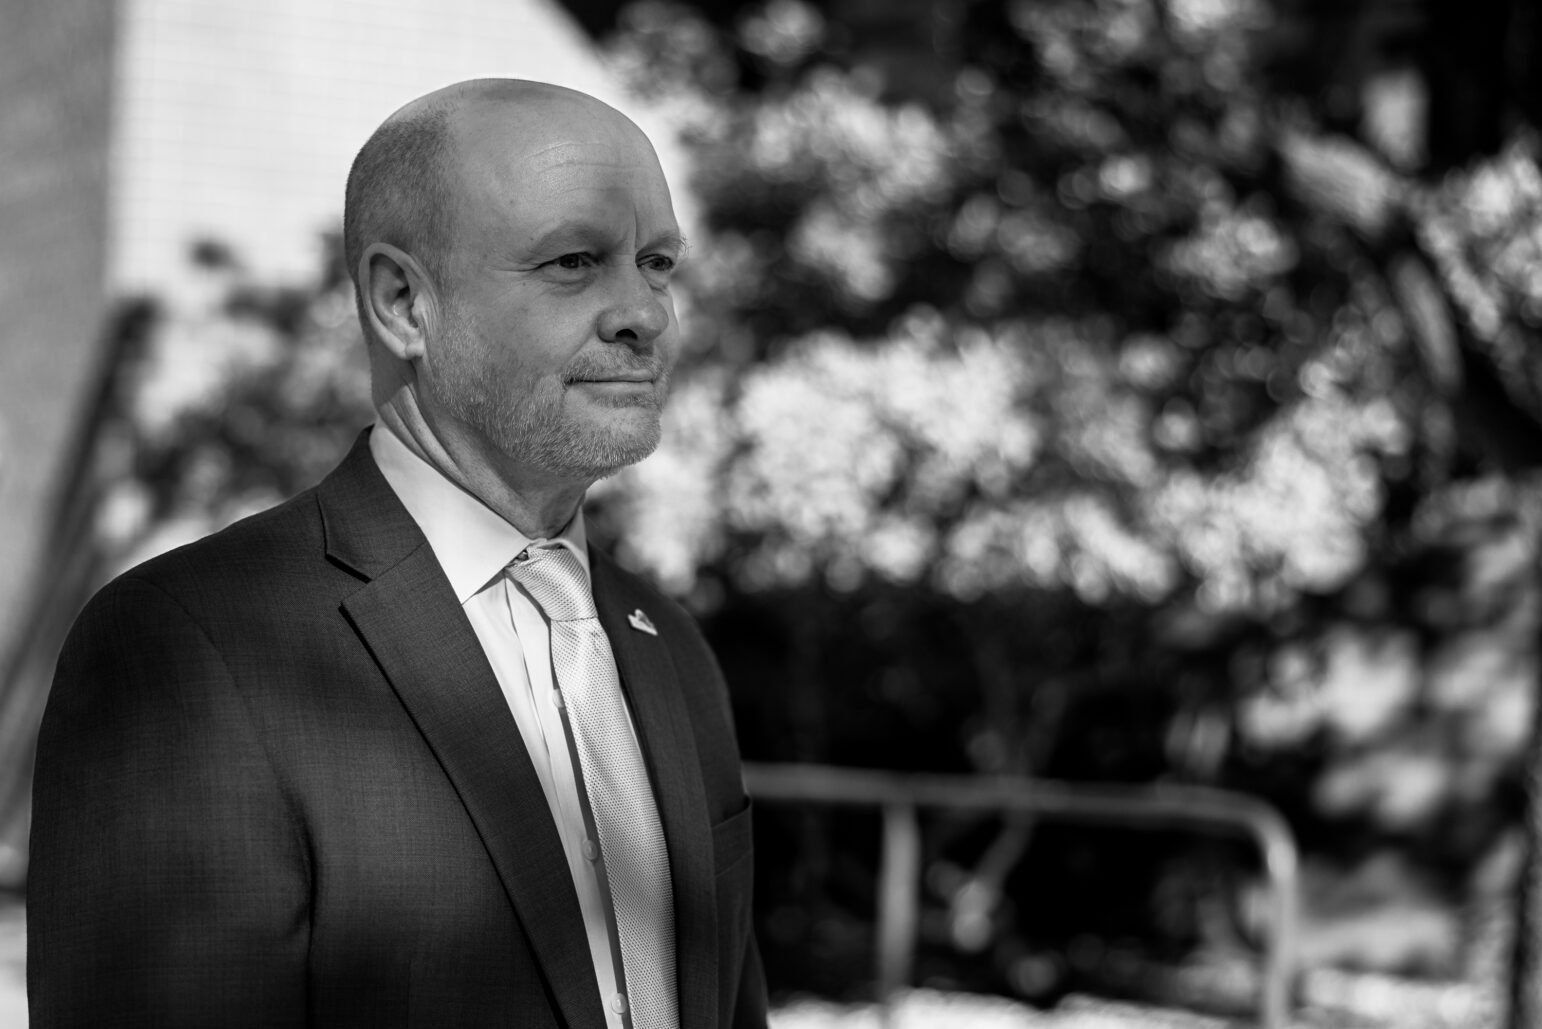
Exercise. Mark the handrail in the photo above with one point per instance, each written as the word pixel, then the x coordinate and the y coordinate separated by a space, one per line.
pixel 899 795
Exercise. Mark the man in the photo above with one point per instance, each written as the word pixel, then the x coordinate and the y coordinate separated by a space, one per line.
pixel 368 758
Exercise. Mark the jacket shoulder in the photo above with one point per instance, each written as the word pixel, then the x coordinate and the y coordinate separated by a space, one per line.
pixel 274 550
pixel 285 527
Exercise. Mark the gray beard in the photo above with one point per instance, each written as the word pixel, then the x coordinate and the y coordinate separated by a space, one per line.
pixel 532 430
pixel 535 432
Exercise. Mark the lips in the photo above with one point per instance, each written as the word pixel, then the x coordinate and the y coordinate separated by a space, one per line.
pixel 613 372
pixel 640 376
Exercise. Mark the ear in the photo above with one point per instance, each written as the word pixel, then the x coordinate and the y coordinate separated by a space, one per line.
pixel 399 299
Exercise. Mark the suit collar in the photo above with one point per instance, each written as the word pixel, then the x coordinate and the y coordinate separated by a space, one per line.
pixel 471 541
pixel 364 525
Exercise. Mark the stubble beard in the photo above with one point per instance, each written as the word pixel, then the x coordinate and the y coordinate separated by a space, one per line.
pixel 536 429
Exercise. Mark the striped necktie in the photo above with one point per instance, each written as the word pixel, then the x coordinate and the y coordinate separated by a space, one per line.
pixel 617 798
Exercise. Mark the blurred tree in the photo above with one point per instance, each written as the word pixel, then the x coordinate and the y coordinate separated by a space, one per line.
pixel 1124 345
pixel 1458 257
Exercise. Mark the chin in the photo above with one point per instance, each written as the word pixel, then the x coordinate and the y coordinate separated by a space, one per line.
pixel 598 452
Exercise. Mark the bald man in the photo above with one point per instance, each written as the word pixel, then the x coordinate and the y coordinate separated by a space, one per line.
pixel 373 757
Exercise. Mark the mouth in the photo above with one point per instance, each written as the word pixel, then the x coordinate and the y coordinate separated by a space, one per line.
pixel 621 391
pixel 615 377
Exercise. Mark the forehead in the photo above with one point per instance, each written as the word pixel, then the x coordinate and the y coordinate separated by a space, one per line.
pixel 533 171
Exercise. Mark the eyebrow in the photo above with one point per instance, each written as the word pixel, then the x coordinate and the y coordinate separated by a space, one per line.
pixel 585 234
pixel 675 241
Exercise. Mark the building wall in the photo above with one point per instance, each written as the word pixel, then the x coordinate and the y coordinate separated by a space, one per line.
pixel 237 121
pixel 56 73
pixel 55 76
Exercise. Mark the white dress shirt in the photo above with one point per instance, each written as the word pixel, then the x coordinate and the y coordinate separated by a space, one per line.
pixel 473 545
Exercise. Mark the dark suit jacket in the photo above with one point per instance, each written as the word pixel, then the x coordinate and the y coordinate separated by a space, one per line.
pixel 278 785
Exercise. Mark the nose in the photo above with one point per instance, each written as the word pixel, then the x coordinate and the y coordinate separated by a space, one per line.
pixel 638 313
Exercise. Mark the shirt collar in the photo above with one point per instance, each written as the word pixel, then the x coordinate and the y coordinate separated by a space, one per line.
pixel 471 542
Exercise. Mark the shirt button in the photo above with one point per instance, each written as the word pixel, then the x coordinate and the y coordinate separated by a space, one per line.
pixel 592 853
pixel 556 698
pixel 618 1003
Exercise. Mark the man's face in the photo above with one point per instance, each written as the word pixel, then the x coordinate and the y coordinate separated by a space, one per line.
pixel 558 327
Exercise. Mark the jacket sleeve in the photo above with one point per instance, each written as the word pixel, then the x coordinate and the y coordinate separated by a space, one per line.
pixel 168 879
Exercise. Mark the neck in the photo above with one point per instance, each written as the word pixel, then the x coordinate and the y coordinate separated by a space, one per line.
pixel 540 507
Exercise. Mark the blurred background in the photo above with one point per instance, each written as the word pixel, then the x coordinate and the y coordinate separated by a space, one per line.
pixel 1100 397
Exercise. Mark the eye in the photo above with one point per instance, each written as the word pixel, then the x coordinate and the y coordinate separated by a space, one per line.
pixel 574 262
pixel 658 266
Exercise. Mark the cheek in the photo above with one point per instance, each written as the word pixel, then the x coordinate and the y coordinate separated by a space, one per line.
pixel 670 342
pixel 540 340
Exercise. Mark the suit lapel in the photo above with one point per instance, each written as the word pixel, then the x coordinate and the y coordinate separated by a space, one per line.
pixel 669 746
pixel 406 613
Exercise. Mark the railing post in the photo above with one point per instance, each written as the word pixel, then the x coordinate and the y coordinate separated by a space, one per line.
pixel 1281 865
pixel 899 902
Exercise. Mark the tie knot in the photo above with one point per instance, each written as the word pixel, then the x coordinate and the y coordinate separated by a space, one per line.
pixel 556 581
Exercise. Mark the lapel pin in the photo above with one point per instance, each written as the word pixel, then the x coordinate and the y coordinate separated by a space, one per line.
pixel 641 622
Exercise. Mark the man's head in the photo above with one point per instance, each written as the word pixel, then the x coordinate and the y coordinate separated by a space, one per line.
pixel 512 244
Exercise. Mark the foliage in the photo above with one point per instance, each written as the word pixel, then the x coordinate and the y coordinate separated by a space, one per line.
pixel 1058 358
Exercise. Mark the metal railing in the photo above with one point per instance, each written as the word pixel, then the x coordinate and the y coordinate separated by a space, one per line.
pixel 901 796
